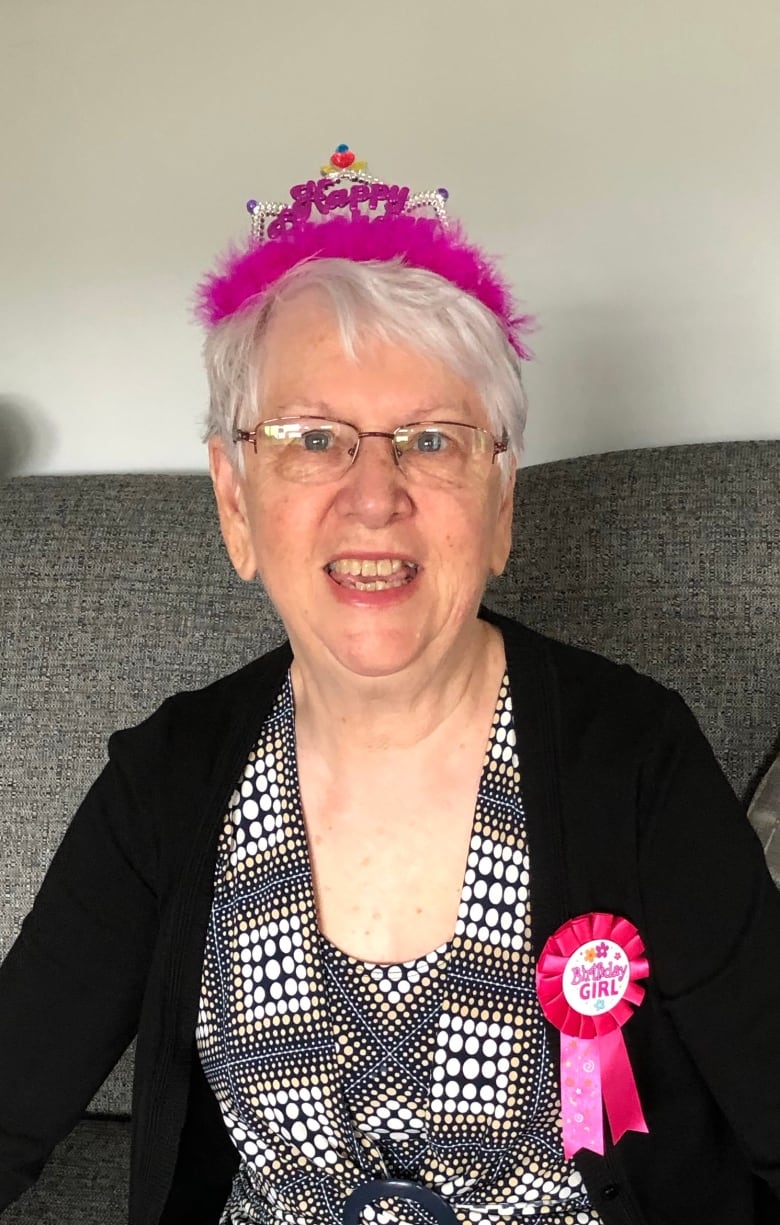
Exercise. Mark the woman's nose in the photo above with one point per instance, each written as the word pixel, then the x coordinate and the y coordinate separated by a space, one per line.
pixel 374 486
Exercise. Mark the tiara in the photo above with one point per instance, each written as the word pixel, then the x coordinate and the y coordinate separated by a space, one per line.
pixel 347 213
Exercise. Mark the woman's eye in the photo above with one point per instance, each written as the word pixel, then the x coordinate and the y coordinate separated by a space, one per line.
pixel 317 440
pixel 431 440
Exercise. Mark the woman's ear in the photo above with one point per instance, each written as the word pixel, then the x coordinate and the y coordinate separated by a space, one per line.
pixel 502 538
pixel 229 490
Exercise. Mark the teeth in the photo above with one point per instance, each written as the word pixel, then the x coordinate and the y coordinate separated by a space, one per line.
pixel 369 569
pixel 381 574
pixel 380 585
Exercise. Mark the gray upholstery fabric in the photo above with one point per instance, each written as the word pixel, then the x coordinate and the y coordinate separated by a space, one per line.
pixel 669 559
pixel 764 813
pixel 84 1183
pixel 116 592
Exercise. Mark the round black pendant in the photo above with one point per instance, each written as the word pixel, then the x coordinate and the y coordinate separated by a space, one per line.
pixel 396 1188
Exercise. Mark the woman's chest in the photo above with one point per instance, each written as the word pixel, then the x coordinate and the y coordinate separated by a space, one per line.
pixel 388 877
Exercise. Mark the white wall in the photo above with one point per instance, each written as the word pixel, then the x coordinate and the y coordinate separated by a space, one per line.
pixel 622 155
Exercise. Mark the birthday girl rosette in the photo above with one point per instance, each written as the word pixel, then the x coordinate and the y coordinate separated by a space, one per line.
pixel 587 985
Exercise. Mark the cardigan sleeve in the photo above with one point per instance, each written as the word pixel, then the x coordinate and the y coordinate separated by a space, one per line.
pixel 92 963
pixel 72 984
pixel 713 928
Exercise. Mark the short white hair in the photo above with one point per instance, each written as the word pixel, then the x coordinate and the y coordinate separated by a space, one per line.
pixel 387 300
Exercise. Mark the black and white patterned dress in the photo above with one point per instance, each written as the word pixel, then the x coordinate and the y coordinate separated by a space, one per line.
pixel 330 1071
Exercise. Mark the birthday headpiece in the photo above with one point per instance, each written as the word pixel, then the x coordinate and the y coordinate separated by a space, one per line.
pixel 349 214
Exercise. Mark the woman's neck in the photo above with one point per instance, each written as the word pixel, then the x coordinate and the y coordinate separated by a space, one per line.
pixel 345 716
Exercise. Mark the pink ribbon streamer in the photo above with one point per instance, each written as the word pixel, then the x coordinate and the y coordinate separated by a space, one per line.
pixel 581 1108
pixel 603 954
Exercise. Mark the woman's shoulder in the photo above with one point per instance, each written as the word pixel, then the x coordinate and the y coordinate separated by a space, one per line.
pixel 195 724
pixel 573 664
pixel 583 688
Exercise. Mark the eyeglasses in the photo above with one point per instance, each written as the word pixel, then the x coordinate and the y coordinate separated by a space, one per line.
pixel 314 450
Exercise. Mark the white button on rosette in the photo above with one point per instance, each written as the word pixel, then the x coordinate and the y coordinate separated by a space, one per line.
pixel 596 977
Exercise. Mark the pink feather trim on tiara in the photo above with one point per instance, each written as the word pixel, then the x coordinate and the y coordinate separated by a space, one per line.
pixel 420 242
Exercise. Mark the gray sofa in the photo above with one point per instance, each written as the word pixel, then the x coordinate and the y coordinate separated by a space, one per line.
pixel 116 591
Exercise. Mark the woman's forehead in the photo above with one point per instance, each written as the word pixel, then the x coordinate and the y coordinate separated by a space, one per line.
pixel 301 319
pixel 304 361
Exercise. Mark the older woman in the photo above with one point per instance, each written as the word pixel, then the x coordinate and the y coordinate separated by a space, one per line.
pixel 349 896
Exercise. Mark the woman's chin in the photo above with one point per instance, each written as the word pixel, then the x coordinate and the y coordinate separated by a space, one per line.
pixel 382 633
pixel 387 648
pixel 376 657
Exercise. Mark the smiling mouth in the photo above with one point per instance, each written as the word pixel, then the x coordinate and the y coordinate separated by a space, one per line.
pixel 375 575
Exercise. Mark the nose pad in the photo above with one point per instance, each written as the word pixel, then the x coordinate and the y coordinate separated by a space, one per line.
pixel 396 454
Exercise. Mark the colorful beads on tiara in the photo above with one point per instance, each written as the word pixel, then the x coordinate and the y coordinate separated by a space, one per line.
pixel 342 159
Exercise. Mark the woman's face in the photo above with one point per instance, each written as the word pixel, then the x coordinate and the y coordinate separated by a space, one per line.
pixel 315 546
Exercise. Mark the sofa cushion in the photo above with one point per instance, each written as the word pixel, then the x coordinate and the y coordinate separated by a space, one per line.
pixel 84 1183
pixel 667 559
pixel 764 813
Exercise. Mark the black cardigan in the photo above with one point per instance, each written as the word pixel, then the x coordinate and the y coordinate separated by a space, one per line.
pixel 627 812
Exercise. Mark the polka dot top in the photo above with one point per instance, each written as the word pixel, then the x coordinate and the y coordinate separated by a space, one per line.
pixel 384 1023
pixel 330 1071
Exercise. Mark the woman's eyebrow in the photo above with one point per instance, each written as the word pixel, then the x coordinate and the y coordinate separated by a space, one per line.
pixel 315 408
pixel 424 410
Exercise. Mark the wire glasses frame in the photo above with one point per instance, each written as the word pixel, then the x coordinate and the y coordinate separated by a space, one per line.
pixel 311 449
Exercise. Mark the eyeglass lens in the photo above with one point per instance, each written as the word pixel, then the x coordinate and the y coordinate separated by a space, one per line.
pixel 312 450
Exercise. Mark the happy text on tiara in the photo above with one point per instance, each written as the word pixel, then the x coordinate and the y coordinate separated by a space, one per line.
pixel 344 186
